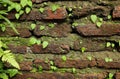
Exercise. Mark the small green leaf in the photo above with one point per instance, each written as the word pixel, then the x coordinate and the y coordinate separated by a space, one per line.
pixel 38 42
pixel 83 49
pixel 73 70
pixel 41 10
pixel 54 7
pixel 33 26
pixel 109 17
pixel 99 24
pixel 23 3
pixel 32 40
pixel 108 59
pixel 12 72
pixel 21 12
pixel 54 68
pixel 40 68
pixel 42 27
pixel 17 7
pixel 111 75
pixel 3 76
pixel 51 25
pixel 17 15
pixel 27 10
pixel 29 3
pixel 108 44
pixel 51 63
pixel 101 19
pixel 113 45
pixel 3 28
pixel 74 24
pixel 45 44
pixel 70 9
pixel 93 18
pixel 64 58
pixel 89 58
pixel 34 70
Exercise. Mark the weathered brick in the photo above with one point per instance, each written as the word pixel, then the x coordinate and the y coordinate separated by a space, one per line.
pixel 60 30
pixel 45 76
pixel 117 75
pixel 39 62
pixel 116 12
pixel 60 13
pixel 112 65
pixel 90 45
pixel 92 76
pixel 26 66
pixel 23 32
pixel 52 48
pixel 17 49
pixel 99 10
pixel 104 30
pixel 69 63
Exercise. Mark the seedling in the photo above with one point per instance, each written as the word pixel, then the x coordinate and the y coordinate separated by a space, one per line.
pixel 74 24
pixel 89 58
pixel 108 44
pixel 41 10
pixel 83 49
pixel 109 17
pixel 51 25
pixel 110 76
pixel 42 27
pixel 64 58
pixel 33 26
pixel 54 68
pixel 45 44
pixel 40 69
pixel 54 7
pixel 73 70
pixel 108 59
pixel 93 18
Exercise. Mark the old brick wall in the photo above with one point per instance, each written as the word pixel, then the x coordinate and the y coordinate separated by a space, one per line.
pixel 84 46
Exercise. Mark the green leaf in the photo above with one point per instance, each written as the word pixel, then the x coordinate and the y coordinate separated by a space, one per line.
pixel 51 25
pixel 109 16
pixel 93 18
pixel 40 68
pixel 12 72
pixel 73 70
pixel 51 63
pixel 29 3
pixel 32 40
pixel 113 45
pixel 54 7
pixel 111 75
pixel 41 10
pixel 3 28
pixel 108 44
pixel 89 58
pixel 33 26
pixel 75 24
pixel 3 76
pixel 27 10
pixel 45 44
pixel 54 68
pixel 10 8
pixel 83 49
pixel 21 12
pixel 64 58
pixel 17 15
pixel 23 3
pixel 34 70
pixel 38 42
pixel 100 19
pixel 99 24
pixel 42 27
pixel 17 7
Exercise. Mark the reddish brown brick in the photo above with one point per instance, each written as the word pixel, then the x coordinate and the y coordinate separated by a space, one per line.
pixel 117 75
pixel 69 63
pixel 92 76
pixel 17 49
pixel 104 30
pixel 45 76
pixel 112 65
pixel 23 32
pixel 60 30
pixel 60 13
pixel 26 66
pixel 39 62
pixel 52 48
pixel 116 12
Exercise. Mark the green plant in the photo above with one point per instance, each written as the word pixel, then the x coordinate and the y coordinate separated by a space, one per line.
pixel 109 17
pixel 89 58
pixel 51 25
pixel 96 20
pixel 41 9
pixel 108 59
pixel 73 70
pixel 108 44
pixel 83 49
pixel 7 57
pixel 64 58
pixel 53 68
pixel 42 27
pixel 54 7
pixel 33 26
pixel 33 41
pixel 45 44
pixel 74 24
pixel 110 76
pixel 40 69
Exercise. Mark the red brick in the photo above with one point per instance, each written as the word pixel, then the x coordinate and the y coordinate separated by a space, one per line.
pixel 69 63
pixel 112 65
pixel 60 30
pixel 92 76
pixel 104 30
pixel 17 49
pixel 23 32
pixel 44 76
pixel 52 48
pixel 39 62
pixel 117 75
pixel 26 66
pixel 116 12
pixel 60 13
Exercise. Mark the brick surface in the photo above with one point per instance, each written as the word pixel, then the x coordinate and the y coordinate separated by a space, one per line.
pixel 52 48
pixel 117 75
pixel 39 62
pixel 26 66
pixel 116 12
pixel 44 76
pixel 112 65
pixel 60 30
pixel 23 32
pixel 60 13
pixel 104 30
pixel 74 63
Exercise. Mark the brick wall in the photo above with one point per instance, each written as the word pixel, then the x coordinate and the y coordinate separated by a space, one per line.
pixel 84 46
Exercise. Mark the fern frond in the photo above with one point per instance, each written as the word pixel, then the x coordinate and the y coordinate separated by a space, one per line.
pixel 1 52
pixel 3 76
pixel 3 12
pixel 10 58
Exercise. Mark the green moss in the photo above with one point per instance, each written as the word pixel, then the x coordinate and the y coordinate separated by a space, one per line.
pixel 19 57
